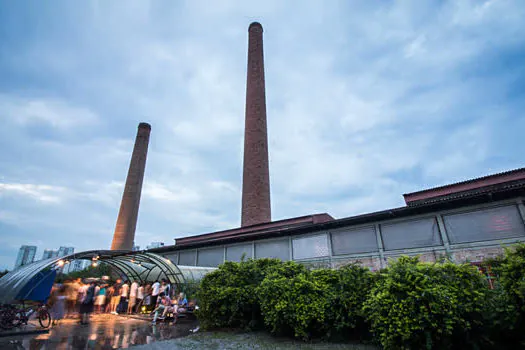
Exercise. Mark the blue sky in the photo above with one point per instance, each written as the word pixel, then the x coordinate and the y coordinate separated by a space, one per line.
pixel 366 101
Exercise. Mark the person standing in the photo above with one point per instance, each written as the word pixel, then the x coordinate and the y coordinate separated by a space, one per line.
pixel 81 293
pixel 115 300
pixel 124 294
pixel 109 296
pixel 132 296
pixel 59 307
pixel 140 297
pixel 72 288
pixel 165 287
pixel 86 307
pixel 147 289
pixel 155 290
pixel 100 300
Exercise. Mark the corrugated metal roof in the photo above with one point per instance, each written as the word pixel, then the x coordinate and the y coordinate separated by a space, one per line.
pixel 468 185
pixel 467 194
pixel 260 228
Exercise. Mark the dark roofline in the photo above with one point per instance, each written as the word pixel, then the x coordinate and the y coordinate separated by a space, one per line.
pixel 264 227
pixel 495 194
pixel 472 184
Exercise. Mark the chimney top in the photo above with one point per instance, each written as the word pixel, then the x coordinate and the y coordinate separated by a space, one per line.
pixel 255 25
pixel 144 126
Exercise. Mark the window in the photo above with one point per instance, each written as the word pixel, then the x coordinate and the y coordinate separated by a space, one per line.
pixel 310 247
pixel 235 252
pixel 352 241
pixel 174 257
pixel 411 234
pixel 482 225
pixel 210 257
pixel 187 258
pixel 273 249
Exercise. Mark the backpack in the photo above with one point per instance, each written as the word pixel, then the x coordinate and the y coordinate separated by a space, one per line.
pixel 90 294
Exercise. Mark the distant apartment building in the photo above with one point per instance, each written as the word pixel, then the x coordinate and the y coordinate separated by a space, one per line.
pixel 26 255
pixel 78 265
pixel 49 253
pixel 155 245
pixel 63 251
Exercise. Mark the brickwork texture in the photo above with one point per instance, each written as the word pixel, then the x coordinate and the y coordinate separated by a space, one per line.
pixel 256 177
pixel 129 207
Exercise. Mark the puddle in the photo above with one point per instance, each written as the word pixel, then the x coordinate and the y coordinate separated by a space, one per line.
pixel 104 332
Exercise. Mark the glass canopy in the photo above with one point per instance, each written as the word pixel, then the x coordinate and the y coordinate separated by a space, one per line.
pixel 141 266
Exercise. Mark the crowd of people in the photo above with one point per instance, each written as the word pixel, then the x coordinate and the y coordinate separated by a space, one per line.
pixel 78 299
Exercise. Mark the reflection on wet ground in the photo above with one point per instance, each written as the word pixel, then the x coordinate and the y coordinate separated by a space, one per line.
pixel 104 332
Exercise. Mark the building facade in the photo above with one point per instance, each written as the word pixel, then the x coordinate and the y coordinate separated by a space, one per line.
pixel 49 253
pixel 468 222
pixel 74 266
pixel 153 245
pixel 63 251
pixel 26 255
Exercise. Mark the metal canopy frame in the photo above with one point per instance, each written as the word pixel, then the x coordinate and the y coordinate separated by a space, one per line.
pixel 139 266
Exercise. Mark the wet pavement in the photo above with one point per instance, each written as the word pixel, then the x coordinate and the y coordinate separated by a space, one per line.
pixel 104 332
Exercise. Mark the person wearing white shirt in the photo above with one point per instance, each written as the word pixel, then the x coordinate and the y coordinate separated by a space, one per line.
pixel 132 296
pixel 155 290
pixel 140 297
pixel 124 292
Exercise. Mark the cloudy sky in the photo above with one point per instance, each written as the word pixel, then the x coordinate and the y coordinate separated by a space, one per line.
pixel 366 101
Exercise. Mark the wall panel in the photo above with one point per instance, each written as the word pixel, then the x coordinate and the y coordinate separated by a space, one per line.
pixel 482 225
pixel 411 234
pixel 354 241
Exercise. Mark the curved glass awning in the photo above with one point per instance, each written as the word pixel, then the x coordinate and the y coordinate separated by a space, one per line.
pixel 136 266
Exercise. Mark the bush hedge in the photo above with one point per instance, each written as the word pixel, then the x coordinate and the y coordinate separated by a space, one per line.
pixel 293 303
pixel 348 289
pixel 227 296
pixel 285 297
pixel 409 305
pixel 427 306
pixel 505 311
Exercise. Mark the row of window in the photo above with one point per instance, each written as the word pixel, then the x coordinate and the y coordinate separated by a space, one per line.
pixel 487 224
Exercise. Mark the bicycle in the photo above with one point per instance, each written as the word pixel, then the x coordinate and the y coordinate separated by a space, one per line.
pixel 11 316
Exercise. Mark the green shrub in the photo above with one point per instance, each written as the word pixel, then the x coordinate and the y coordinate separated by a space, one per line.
pixel 227 296
pixel 506 308
pixel 320 303
pixel 350 286
pixel 293 303
pixel 421 305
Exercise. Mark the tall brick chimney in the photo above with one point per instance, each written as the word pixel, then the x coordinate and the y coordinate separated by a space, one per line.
pixel 256 177
pixel 129 207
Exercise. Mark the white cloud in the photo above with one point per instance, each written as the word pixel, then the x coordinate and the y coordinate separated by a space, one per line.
pixel 56 113
pixel 177 194
pixel 42 193
pixel 364 102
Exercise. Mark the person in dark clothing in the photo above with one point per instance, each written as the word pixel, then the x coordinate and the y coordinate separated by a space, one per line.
pixel 86 307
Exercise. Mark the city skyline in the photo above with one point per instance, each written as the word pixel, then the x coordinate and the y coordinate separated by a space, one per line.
pixel 364 102
pixel 26 255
